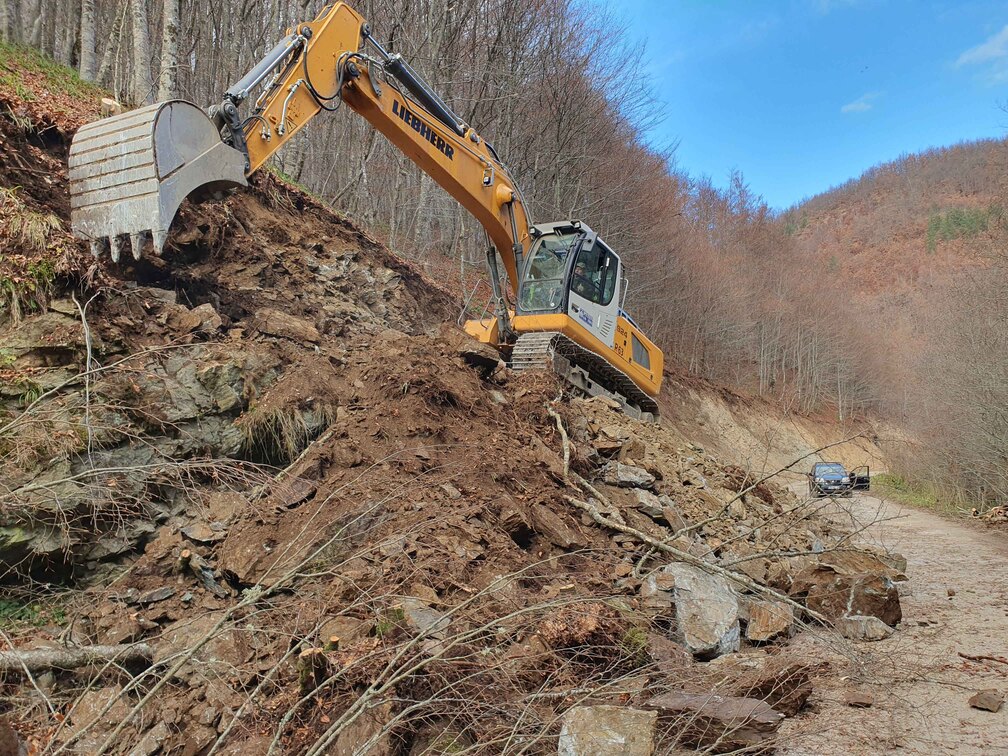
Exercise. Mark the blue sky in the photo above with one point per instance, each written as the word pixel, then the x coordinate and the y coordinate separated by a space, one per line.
pixel 801 95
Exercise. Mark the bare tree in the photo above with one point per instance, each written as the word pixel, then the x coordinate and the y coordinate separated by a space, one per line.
pixel 142 87
pixel 168 78
pixel 87 40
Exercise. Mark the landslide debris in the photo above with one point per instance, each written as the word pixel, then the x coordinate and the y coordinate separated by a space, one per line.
pixel 332 522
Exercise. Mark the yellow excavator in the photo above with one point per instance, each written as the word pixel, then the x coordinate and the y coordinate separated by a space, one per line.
pixel 130 173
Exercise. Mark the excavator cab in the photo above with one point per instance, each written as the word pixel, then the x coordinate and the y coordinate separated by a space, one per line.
pixel 570 270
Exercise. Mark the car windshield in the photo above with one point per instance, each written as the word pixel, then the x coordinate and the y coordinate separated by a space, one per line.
pixel 832 468
pixel 543 287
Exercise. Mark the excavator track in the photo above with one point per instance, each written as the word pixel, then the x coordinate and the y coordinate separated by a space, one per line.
pixel 583 369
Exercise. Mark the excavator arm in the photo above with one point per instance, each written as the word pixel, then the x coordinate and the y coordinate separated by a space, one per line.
pixel 130 178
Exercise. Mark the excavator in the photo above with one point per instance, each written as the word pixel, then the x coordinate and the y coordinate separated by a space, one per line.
pixel 561 307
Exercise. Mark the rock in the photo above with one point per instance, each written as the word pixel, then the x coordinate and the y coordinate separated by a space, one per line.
pixel 836 595
pixel 347 629
pixel 452 492
pixel 859 699
pixel 366 735
pixel 988 700
pixel 559 530
pixel 276 323
pixel 656 591
pixel 197 739
pixel 422 618
pixel 786 686
pixel 670 656
pixel 200 532
pixel 627 476
pixel 862 628
pixel 692 477
pixel 152 741
pixel 481 357
pixel 861 563
pixel 769 619
pixel 707 611
pixel 605 730
pixel 725 722
pixel 209 320
pixel 158 594
pixel 673 516
pixel 648 503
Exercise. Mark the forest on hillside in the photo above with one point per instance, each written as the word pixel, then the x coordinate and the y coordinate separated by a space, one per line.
pixel 791 307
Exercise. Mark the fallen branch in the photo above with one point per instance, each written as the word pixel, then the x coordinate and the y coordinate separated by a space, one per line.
pixel 566 441
pixel 687 558
pixel 984 657
pixel 72 657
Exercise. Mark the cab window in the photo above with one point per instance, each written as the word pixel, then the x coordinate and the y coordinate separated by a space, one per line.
pixel 595 274
pixel 640 353
pixel 543 287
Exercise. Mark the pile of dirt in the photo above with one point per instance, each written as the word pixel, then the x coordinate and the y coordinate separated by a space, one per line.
pixel 297 511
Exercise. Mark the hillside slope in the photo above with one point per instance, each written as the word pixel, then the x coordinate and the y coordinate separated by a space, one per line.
pixel 260 498
pixel 909 224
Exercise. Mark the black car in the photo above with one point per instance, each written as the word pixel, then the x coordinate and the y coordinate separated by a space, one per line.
pixel 829 479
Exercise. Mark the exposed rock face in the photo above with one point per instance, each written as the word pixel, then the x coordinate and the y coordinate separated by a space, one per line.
pixel 707 611
pixel 606 730
pixel 722 723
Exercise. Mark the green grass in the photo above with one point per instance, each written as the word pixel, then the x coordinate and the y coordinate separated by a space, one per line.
pixel 961 223
pixel 56 77
pixel 30 614
pixel 916 494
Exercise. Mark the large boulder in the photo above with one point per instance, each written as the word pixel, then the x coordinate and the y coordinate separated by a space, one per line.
pixel 707 610
pixel 834 594
pixel 605 730
pixel 719 723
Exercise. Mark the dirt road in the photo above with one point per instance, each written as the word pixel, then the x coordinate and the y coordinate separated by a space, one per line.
pixel 955 602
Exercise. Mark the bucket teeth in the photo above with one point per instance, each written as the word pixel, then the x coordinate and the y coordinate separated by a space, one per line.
pixel 136 243
pixel 159 241
pixel 115 247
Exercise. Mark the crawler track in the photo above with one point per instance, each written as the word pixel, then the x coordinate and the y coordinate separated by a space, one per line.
pixel 583 369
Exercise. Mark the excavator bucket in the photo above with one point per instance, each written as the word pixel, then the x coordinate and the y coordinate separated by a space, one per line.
pixel 129 173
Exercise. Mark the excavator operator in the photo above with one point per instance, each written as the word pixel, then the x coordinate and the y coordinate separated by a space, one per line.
pixel 582 285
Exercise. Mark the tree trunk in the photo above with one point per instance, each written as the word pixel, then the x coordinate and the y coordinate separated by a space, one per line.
pixel 69 34
pixel 87 40
pixel 168 79
pixel 142 85
pixel 35 40
pixel 71 657
pixel 111 44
